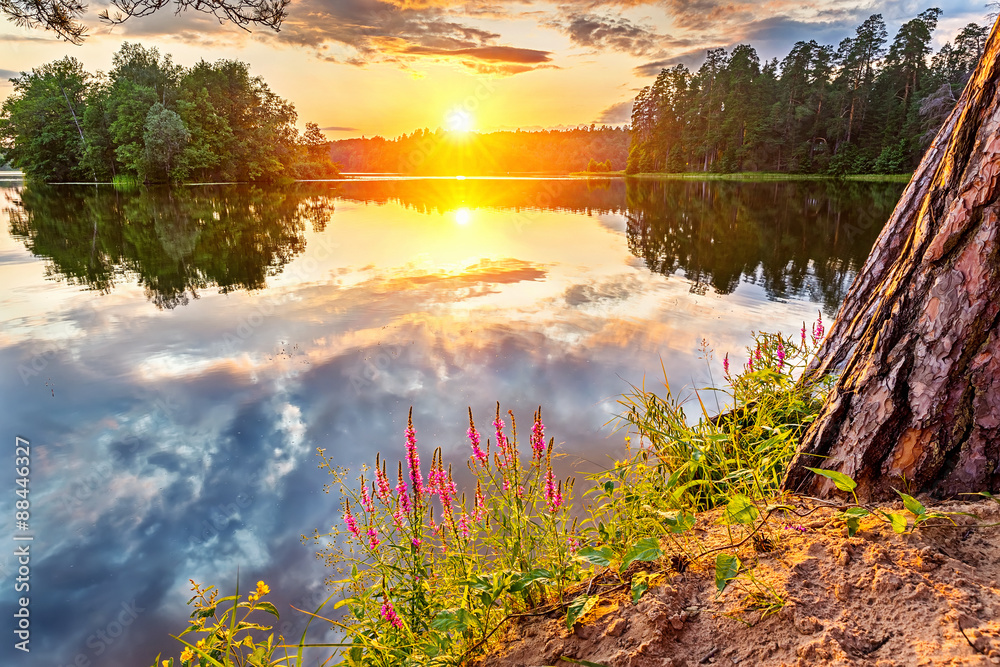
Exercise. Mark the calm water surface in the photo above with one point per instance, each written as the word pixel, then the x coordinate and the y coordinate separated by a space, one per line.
pixel 176 356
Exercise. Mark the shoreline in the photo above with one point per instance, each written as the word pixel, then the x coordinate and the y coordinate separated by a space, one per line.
pixel 747 176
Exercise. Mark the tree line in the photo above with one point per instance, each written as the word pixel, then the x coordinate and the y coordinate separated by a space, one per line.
pixel 151 120
pixel 444 152
pixel 865 106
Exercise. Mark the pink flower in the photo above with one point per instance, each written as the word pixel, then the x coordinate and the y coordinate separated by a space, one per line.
pixel 538 437
pixel 803 334
pixel 404 497
pixel 463 525
pixel 366 499
pixel 781 354
pixel 498 426
pixel 573 543
pixel 477 451
pixel 389 614
pixel 416 543
pixel 818 328
pixel 413 459
pixel 383 488
pixel 725 365
pixel 553 493
pixel 373 540
pixel 352 525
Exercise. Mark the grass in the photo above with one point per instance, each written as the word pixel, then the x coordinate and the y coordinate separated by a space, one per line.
pixel 126 182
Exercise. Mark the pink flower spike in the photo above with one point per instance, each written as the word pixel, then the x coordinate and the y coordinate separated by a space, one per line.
pixel 413 459
pixel 383 488
pixel 818 328
pixel 477 452
pixel 373 540
pixel 538 437
pixel 389 614
pixel 725 365
pixel 366 499
pixel 781 354
pixel 352 524
pixel 803 334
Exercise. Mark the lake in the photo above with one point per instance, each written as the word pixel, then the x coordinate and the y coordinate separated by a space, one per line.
pixel 175 357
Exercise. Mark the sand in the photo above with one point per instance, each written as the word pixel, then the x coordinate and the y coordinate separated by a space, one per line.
pixel 877 599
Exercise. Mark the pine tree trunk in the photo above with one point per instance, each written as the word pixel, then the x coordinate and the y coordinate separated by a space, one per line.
pixel 917 341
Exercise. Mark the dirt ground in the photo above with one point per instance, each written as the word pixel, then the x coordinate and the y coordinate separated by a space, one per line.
pixel 878 599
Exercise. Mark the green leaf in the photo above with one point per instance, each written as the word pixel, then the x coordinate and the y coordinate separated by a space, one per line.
pixel 641 583
pixel 898 522
pixel 727 567
pixel 450 619
pixel 855 512
pixel 529 578
pixel 912 504
pixel 268 607
pixel 853 525
pixel 578 608
pixel 741 510
pixel 678 521
pixel 646 549
pixel 600 557
pixel 842 481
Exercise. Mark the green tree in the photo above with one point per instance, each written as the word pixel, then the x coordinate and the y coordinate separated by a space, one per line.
pixel 40 122
pixel 164 140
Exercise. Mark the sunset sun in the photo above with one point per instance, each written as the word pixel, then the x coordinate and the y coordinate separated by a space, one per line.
pixel 460 120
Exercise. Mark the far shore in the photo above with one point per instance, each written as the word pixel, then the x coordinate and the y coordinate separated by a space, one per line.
pixel 754 176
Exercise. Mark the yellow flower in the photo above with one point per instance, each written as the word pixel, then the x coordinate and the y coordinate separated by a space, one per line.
pixel 262 589
pixel 186 655
pixel 200 643
pixel 252 597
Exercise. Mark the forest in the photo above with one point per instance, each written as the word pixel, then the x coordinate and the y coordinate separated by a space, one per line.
pixel 865 106
pixel 150 120
pixel 443 152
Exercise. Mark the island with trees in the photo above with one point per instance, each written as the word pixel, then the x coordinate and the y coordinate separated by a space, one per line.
pixel 151 120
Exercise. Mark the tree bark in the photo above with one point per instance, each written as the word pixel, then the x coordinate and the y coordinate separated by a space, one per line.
pixel 917 341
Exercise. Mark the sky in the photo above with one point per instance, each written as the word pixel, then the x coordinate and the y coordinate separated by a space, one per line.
pixel 387 67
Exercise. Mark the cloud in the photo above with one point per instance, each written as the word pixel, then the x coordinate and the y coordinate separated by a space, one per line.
pixel 7 74
pixel 507 54
pixel 608 33
pixel 338 128
pixel 360 32
pixel 28 38
pixel 620 112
